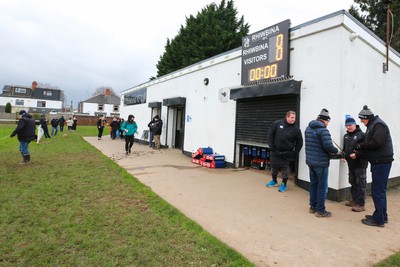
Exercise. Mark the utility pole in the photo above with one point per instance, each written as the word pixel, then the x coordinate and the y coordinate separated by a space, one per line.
pixel 386 65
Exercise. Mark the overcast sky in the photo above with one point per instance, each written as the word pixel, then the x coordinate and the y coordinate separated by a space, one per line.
pixel 80 45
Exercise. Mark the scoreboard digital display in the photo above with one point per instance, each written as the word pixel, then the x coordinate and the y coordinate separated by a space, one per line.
pixel 265 54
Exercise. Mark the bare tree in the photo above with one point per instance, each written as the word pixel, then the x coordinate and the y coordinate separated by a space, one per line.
pixel 102 91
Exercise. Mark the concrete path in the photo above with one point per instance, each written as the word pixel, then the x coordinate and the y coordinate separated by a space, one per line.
pixel 268 227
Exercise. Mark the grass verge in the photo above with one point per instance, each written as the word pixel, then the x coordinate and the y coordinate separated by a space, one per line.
pixel 74 206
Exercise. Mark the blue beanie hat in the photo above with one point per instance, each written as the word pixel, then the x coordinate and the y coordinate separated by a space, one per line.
pixel 350 121
pixel 22 112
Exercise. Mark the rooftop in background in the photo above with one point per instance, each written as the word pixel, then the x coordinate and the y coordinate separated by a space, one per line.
pixel 105 98
pixel 34 93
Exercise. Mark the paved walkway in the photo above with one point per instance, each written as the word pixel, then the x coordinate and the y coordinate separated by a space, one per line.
pixel 268 227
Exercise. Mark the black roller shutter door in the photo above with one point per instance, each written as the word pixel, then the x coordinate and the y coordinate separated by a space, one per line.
pixel 255 115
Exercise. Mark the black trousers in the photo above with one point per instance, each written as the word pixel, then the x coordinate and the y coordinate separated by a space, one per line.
pixel 100 132
pixel 358 181
pixel 129 139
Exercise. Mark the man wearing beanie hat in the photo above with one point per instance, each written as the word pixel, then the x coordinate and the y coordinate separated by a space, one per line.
pixel 357 167
pixel 324 115
pixel 318 147
pixel 377 148
pixel 26 133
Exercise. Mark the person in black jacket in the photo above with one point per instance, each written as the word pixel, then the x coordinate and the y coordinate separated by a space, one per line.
pixel 101 123
pixel 114 128
pixel 378 150
pixel 151 128
pixel 26 133
pixel 357 167
pixel 285 141
pixel 54 126
pixel 43 123
pixel 157 129
pixel 61 122
pixel 74 124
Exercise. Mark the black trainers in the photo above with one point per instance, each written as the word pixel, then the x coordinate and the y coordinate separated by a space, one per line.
pixel 129 150
pixel 370 218
pixel 312 210
pixel 371 223
pixel 323 214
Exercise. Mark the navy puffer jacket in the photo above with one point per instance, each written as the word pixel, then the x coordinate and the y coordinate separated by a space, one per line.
pixel 25 129
pixel 318 144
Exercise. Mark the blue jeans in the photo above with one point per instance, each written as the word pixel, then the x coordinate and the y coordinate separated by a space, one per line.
pixel 23 147
pixel 318 187
pixel 54 129
pixel 380 175
pixel 151 138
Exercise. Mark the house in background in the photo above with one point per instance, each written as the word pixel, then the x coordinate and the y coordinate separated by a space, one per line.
pixel 102 104
pixel 33 99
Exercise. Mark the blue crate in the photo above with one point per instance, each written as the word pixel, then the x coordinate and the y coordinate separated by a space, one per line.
pixel 219 157
pixel 254 151
pixel 220 164
pixel 246 150
pixel 264 153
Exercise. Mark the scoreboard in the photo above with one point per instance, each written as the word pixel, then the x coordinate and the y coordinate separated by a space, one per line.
pixel 265 54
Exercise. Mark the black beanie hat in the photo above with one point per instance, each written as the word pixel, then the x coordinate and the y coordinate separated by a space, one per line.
pixel 366 113
pixel 324 115
pixel 350 121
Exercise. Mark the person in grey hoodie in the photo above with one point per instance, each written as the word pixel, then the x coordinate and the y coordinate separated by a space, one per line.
pixel 319 146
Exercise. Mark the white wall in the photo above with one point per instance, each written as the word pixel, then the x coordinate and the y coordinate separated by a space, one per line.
pixel 30 103
pixel 337 73
pixel 342 76
pixel 92 108
pixel 212 122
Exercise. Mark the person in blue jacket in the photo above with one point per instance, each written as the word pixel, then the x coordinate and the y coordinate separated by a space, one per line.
pixel 129 129
pixel 318 143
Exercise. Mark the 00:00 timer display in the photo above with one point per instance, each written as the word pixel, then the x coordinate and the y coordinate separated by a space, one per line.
pixel 269 71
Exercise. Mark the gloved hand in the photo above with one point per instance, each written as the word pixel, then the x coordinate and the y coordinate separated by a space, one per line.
pixel 357 147
pixel 12 135
pixel 337 155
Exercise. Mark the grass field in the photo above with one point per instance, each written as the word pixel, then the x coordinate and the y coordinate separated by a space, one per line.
pixel 73 206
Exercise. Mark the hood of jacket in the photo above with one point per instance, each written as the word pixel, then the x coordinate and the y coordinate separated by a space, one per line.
pixel 316 124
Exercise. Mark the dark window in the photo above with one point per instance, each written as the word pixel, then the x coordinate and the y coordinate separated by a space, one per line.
pixel 41 104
